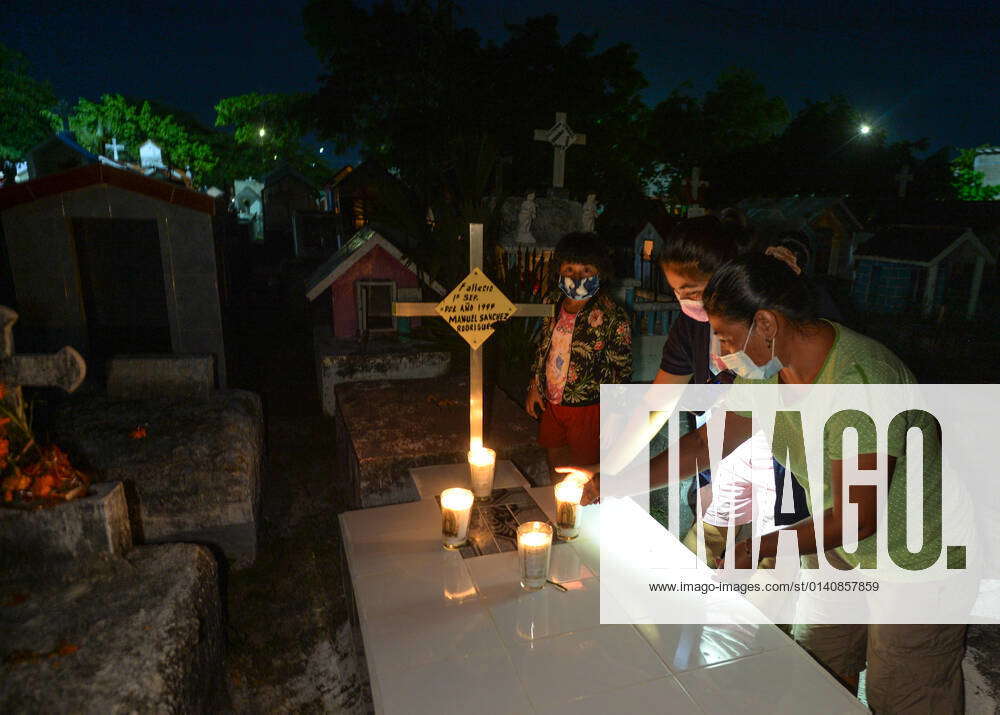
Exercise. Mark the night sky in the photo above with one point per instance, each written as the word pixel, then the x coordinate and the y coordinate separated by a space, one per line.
pixel 916 69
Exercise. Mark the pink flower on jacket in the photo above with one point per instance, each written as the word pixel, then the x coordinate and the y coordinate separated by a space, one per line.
pixel 596 318
pixel 571 374
pixel 599 345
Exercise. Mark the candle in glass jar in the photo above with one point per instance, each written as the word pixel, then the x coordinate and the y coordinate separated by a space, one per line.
pixel 568 493
pixel 534 546
pixel 482 465
pixel 456 508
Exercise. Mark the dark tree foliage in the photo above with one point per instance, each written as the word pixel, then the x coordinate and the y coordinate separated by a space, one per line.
pixel 411 88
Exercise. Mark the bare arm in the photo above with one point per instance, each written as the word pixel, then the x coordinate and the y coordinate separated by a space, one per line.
pixel 693 447
pixel 666 378
pixel 833 518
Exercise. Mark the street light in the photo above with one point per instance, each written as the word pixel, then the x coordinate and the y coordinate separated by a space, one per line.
pixel 262 132
pixel 865 129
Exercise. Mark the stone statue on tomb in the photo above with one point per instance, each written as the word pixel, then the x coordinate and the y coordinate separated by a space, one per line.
pixel 525 216
pixel 589 213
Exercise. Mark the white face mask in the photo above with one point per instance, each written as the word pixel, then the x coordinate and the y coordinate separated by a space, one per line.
pixel 742 365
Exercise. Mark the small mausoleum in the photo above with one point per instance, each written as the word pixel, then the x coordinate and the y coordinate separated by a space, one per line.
pixel 114 263
pixel 928 266
pixel 364 340
pixel 825 226
pixel 363 279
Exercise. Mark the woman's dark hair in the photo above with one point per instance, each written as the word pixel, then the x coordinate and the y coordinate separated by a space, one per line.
pixel 701 245
pixel 755 282
pixel 583 247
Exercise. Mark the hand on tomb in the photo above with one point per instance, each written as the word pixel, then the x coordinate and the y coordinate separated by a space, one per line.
pixel 534 403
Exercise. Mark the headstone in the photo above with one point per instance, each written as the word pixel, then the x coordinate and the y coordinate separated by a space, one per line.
pixel 150 156
pixel 561 137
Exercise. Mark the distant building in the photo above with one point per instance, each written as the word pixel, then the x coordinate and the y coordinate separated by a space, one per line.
pixel 825 226
pixel 362 280
pixel 920 267
pixel 113 262
pixel 987 162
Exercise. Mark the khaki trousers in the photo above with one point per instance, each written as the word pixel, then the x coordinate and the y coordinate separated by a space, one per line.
pixel 912 669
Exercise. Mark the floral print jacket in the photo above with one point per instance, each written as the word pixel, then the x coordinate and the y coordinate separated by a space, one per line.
pixel 601 351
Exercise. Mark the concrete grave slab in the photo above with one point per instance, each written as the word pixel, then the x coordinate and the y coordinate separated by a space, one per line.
pixel 386 427
pixel 196 473
pixel 141 633
pixel 52 538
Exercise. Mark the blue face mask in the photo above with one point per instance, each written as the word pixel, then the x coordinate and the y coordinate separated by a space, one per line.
pixel 742 365
pixel 579 289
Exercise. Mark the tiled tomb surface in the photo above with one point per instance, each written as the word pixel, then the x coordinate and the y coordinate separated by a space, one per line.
pixel 446 634
pixel 195 475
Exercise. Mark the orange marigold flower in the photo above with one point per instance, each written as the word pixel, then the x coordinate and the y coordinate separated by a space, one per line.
pixel 4 447
pixel 138 433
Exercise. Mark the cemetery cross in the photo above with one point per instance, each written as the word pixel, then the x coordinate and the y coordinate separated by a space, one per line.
pixel 114 146
pixel 561 137
pixel 695 183
pixel 65 369
pixel 473 309
pixel 903 178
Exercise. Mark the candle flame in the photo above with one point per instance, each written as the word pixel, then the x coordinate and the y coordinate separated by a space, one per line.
pixel 456 499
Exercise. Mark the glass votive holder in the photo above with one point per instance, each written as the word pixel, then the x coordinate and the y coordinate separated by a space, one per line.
pixel 456 509
pixel 568 494
pixel 534 547
pixel 482 467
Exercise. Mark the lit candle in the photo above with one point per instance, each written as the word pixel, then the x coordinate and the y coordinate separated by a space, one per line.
pixel 534 546
pixel 568 495
pixel 482 463
pixel 456 508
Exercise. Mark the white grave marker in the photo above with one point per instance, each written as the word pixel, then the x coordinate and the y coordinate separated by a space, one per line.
pixel 473 309
pixel 114 147
pixel 561 137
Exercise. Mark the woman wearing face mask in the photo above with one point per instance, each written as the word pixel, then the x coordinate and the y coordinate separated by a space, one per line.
pixel 697 248
pixel 587 343
pixel 766 321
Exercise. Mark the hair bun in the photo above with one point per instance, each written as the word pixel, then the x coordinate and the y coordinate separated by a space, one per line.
pixel 786 256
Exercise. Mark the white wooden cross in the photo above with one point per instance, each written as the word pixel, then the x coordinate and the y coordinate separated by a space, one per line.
pixel 695 183
pixel 484 301
pixel 903 178
pixel 114 146
pixel 561 137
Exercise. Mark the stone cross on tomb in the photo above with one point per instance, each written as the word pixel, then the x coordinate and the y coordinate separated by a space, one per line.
pixel 65 369
pixel 903 178
pixel 474 309
pixel 561 137
pixel 695 183
pixel 114 146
